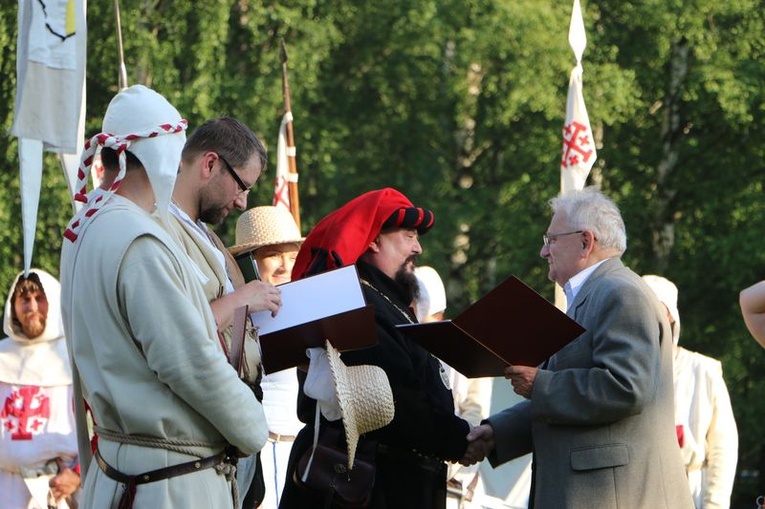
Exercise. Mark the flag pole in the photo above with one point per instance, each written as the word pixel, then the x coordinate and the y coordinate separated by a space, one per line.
pixel 123 83
pixel 292 174
pixel 578 154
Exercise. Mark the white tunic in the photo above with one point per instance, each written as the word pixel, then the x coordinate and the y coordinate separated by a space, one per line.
pixel 280 392
pixel 144 341
pixel 36 419
pixel 710 437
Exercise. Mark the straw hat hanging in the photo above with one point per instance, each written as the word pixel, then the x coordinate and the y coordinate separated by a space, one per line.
pixel 365 397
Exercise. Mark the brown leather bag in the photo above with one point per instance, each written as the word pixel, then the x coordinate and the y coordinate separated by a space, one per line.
pixel 329 476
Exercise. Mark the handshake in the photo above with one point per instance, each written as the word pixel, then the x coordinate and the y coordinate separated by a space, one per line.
pixel 480 444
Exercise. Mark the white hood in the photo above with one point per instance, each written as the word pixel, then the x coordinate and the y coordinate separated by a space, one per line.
pixel 54 327
pixel 43 360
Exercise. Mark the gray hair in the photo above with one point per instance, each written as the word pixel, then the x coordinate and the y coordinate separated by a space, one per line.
pixel 590 209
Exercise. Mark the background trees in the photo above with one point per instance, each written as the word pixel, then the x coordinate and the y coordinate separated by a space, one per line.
pixel 460 103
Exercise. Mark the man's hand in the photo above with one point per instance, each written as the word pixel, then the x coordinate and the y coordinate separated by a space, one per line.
pixel 480 444
pixel 65 483
pixel 522 379
pixel 261 296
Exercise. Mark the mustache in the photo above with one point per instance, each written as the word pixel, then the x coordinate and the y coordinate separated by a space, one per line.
pixel 413 258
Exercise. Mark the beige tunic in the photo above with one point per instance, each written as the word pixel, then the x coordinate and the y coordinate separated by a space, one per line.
pixel 144 342
pixel 214 280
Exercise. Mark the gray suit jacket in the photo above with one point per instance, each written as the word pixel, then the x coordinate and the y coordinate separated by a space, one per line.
pixel 601 418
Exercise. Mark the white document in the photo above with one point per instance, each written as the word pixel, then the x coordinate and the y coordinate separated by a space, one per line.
pixel 326 294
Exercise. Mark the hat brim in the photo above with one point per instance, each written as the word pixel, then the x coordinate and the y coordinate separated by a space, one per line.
pixel 376 407
pixel 252 246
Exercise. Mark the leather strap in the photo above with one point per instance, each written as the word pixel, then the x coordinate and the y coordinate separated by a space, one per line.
pixel 160 474
pixel 238 332
pixel 276 437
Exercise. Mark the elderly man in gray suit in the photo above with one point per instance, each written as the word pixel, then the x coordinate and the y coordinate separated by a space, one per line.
pixel 599 413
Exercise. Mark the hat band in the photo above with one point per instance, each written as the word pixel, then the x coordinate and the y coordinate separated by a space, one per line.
pixel 410 217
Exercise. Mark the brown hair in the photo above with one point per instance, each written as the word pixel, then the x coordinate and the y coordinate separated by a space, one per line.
pixel 227 135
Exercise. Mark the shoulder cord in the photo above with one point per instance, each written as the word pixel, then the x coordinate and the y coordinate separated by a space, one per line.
pixel 403 313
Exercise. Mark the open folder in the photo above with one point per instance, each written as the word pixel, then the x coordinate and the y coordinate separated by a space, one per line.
pixel 512 324
pixel 329 305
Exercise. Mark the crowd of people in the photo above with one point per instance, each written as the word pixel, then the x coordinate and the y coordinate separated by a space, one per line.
pixel 144 329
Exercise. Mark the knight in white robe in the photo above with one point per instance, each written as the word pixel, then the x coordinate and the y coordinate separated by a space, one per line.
pixel 37 433
pixel 142 334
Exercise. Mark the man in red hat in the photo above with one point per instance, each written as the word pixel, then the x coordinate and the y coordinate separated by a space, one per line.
pixel 380 232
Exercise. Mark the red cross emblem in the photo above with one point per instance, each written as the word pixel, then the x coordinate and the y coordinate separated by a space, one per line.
pixel 25 413
pixel 281 194
pixel 576 139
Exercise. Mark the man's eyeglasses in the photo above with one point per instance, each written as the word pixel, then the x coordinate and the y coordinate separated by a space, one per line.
pixel 242 186
pixel 549 238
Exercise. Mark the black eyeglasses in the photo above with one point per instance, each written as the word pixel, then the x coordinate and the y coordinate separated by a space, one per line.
pixel 242 186
pixel 549 238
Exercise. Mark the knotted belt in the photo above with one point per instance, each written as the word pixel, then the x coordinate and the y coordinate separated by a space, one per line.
pixel 160 474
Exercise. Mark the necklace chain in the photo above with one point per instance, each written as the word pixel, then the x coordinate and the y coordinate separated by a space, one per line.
pixel 404 313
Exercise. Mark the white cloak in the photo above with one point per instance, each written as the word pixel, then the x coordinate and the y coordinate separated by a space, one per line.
pixel 144 342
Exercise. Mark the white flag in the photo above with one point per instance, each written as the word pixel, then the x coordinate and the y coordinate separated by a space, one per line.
pixel 49 111
pixel 578 154
pixel 281 187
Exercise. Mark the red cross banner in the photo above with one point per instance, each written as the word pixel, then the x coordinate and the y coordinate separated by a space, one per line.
pixel 281 186
pixel 578 154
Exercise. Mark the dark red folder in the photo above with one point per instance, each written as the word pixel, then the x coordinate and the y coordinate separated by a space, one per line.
pixel 512 324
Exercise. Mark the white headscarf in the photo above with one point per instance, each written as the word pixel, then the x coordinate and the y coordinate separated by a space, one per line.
pixel 666 291
pixel 145 123
pixel 432 297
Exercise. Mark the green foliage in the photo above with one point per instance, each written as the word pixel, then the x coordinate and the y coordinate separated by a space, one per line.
pixel 460 105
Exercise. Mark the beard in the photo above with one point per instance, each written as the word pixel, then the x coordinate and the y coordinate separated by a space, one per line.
pixel 213 216
pixel 213 206
pixel 33 325
pixel 407 279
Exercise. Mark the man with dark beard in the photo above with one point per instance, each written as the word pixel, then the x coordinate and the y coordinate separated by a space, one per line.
pixel 221 161
pixel 379 232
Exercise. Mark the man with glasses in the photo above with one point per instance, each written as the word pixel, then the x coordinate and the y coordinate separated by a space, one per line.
pixel 599 413
pixel 220 162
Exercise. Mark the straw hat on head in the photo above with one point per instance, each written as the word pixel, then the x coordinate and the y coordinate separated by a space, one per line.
pixel 365 397
pixel 265 226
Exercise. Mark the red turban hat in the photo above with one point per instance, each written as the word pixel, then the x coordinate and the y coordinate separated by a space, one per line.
pixel 342 236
